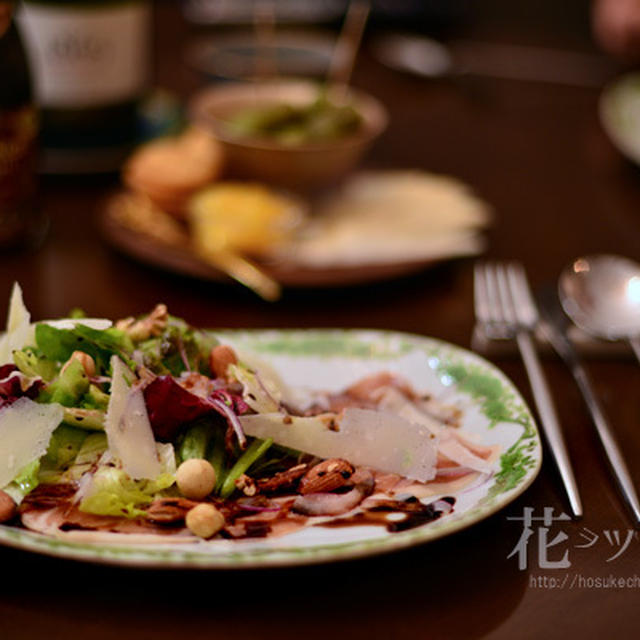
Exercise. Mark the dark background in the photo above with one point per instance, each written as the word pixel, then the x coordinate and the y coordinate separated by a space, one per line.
pixel 536 152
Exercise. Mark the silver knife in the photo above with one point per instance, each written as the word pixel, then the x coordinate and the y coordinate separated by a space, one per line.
pixel 554 327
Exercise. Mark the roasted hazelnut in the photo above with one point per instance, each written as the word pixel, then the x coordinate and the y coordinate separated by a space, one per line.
pixel 196 478
pixel 87 362
pixel 148 326
pixel 220 358
pixel 204 520
pixel 7 507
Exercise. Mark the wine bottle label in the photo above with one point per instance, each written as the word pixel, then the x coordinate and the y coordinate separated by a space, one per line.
pixel 85 56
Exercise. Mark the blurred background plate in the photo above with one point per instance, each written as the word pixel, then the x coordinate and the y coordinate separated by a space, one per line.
pixel 238 56
pixel 620 114
pixel 376 225
pixel 182 260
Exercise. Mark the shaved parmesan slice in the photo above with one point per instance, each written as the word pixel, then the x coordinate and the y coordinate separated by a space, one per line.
pixel 19 331
pixel 394 401
pixel 378 439
pixel 25 431
pixel 271 380
pixel 453 448
pixel 128 428
pixel 261 394
pixel 449 444
pixel 69 323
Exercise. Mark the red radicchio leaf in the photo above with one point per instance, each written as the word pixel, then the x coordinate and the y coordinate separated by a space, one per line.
pixel 14 385
pixel 170 406
pixel 233 400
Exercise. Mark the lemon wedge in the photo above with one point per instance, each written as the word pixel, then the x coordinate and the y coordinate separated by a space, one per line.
pixel 247 218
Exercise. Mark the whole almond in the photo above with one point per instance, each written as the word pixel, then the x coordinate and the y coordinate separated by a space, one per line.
pixel 329 475
pixel 169 510
pixel 7 507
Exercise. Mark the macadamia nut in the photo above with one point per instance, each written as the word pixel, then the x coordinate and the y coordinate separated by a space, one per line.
pixel 204 520
pixel 195 478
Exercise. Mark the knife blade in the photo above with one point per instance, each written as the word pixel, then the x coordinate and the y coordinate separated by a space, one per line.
pixel 554 324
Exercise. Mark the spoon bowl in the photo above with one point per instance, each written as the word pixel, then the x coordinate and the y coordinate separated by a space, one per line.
pixel 601 294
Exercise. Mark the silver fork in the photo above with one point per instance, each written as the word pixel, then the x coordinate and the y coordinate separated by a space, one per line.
pixel 506 309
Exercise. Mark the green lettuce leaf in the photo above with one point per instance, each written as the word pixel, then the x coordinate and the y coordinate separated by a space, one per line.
pixel 68 388
pixel 93 446
pixel 165 353
pixel 58 344
pixel 90 419
pixel 25 482
pixel 71 453
pixel 95 398
pixel 64 446
pixel 113 493
pixel 32 364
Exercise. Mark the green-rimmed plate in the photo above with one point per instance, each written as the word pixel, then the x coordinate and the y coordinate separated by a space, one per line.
pixel 493 411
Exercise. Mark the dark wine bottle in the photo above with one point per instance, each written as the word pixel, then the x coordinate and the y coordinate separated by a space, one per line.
pixel 90 65
pixel 18 134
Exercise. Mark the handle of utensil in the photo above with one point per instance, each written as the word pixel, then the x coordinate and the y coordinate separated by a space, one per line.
pixel 614 455
pixel 549 419
pixel 245 272
pixel 348 43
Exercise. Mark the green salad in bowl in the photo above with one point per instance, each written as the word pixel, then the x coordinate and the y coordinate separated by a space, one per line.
pixel 289 133
pixel 318 121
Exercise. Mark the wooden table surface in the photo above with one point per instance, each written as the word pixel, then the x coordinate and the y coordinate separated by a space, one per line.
pixel 536 152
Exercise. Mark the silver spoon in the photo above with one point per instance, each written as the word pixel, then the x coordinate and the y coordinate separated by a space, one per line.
pixel 555 328
pixel 601 294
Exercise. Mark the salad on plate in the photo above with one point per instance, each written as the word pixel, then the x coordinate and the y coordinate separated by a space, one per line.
pixel 147 429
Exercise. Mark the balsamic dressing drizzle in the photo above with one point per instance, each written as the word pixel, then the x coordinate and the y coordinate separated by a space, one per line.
pixel 382 513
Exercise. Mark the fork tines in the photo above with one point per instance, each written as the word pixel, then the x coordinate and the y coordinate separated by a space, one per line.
pixel 503 299
pixel 505 308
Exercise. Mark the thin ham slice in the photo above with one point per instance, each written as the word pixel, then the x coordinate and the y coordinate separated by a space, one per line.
pixel 49 509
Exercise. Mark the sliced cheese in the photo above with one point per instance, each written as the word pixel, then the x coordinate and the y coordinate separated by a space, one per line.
pixel 378 439
pixel 19 331
pixel 128 428
pixel 260 393
pixel 391 216
pixel 25 431
pixel 448 443
pixel 396 402
pixel 70 323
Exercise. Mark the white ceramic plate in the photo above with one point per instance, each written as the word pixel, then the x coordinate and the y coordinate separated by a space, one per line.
pixel 330 360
